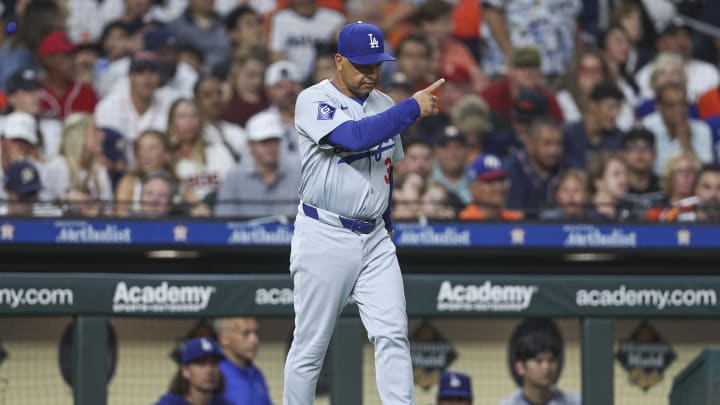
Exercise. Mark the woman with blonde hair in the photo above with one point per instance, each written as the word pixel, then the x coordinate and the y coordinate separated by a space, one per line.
pixel 152 153
pixel 199 166
pixel 76 174
pixel 245 87
pixel 678 183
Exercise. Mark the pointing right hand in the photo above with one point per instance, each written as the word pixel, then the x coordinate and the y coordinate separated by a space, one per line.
pixel 428 102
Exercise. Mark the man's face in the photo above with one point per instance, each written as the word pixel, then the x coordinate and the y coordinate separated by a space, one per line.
pixel 525 78
pixel 439 29
pixel 673 106
pixel 359 79
pixel 209 98
pixel 203 374
pixel 451 156
pixel 546 147
pixel 267 152
pixel 61 63
pixel 242 338
pixel 418 159
pixel 572 196
pixel 143 83
pixel 414 60
pixel 540 371
pixel 284 93
pixel 708 189
pixel 639 156
pixel 490 193
pixel 167 58
pixel 605 112
pixel 155 198
pixel 247 30
pixel 684 43
pixel 27 101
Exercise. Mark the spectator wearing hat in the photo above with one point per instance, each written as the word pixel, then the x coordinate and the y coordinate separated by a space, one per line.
pixel 536 357
pixel 674 130
pixel 114 158
pixel 265 185
pixel 198 380
pixel 202 28
pixel 23 90
pixel 449 168
pixel 400 87
pixel 455 389
pixel 283 82
pixel 533 171
pixel 138 107
pixel 527 106
pixel 597 131
pixel 22 185
pixel 245 86
pixel 523 73
pixel 208 96
pixel 471 115
pixel 174 75
pixel 61 95
pixel 294 31
pixel 20 142
pixel 676 37
pixel 487 182
pixel 513 24
pixel 19 51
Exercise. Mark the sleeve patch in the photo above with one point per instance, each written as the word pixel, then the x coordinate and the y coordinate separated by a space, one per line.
pixel 325 111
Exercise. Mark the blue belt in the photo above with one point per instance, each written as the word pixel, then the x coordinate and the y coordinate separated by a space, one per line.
pixel 363 226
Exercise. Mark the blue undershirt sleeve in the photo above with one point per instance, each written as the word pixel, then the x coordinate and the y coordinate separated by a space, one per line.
pixel 371 131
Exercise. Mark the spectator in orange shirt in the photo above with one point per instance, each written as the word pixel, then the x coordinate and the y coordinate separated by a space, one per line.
pixel 488 185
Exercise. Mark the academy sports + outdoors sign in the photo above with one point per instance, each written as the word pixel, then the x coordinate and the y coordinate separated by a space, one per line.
pixel 426 295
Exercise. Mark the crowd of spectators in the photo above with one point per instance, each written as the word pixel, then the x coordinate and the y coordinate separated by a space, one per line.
pixel 552 109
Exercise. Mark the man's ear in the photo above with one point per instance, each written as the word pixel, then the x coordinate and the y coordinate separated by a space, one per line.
pixel 520 368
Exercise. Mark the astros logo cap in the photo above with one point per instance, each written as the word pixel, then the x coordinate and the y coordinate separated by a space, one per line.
pixel 363 44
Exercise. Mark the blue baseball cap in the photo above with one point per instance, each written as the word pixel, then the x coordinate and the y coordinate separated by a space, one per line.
pixel 114 145
pixel 22 178
pixel 159 38
pixel 486 167
pixel 201 347
pixel 362 44
pixel 454 385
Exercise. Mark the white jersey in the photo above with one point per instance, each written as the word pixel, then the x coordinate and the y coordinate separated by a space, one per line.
pixel 351 184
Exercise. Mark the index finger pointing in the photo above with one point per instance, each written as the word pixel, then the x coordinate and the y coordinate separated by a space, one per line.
pixel 435 85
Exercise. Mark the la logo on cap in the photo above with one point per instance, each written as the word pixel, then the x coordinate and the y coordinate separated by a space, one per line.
pixel 492 162
pixel 374 43
pixel 206 345
pixel 454 381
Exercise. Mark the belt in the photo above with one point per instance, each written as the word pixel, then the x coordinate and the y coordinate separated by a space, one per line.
pixel 363 226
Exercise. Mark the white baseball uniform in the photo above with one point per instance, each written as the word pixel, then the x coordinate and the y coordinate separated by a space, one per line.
pixel 340 248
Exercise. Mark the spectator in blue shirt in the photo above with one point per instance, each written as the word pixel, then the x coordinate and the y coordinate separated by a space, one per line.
pixel 533 171
pixel 597 131
pixel 198 380
pixel 244 383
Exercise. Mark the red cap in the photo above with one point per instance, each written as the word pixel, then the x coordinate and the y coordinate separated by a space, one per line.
pixel 456 73
pixel 55 42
